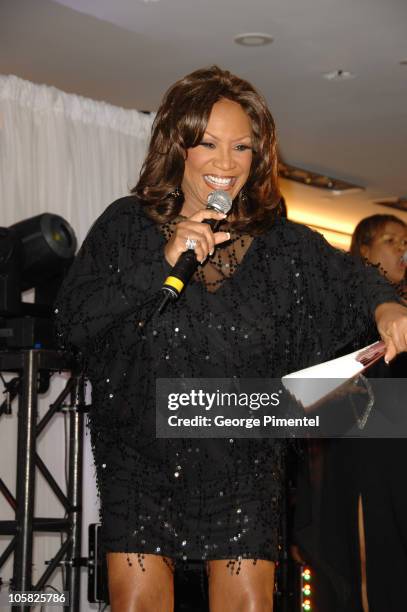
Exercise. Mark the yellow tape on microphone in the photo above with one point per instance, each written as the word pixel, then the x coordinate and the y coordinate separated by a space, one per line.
pixel 174 283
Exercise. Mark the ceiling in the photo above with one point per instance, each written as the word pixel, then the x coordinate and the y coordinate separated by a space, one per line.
pixel 127 52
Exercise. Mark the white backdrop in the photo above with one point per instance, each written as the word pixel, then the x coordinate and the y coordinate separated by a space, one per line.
pixel 65 154
pixel 72 156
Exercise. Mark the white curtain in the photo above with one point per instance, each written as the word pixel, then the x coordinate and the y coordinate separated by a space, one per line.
pixel 72 156
pixel 65 154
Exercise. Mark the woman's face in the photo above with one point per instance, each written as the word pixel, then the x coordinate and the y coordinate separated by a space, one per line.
pixel 222 160
pixel 387 249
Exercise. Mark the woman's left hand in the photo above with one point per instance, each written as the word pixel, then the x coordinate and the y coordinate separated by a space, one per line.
pixel 391 321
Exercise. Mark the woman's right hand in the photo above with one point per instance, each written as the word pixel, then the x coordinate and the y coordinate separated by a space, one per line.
pixel 194 229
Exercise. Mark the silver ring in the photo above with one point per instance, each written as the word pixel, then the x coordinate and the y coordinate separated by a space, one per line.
pixel 190 244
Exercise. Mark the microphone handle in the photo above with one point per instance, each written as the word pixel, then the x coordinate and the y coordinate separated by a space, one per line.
pixel 185 268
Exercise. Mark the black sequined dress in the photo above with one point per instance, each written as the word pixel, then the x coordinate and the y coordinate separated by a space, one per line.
pixel 272 304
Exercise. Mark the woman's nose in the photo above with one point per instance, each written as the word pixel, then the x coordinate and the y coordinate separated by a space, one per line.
pixel 224 159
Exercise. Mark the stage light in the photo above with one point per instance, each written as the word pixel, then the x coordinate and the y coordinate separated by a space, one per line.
pixel 314 179
pixel 306 589
pixel 47 242
pixel 396 204
pixel 34 254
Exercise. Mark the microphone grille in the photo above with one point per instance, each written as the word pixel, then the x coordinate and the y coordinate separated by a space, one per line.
pixel 220 200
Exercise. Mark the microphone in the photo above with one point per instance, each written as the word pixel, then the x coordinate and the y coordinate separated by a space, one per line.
pixel 187 263
pixel 404 258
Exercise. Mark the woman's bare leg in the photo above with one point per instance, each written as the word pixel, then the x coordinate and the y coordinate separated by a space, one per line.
pixel 362 549
pixel 133 590
pixel 249 590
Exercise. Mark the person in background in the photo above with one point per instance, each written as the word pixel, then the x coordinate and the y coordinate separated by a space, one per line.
pixel 381 240
pixel 354 531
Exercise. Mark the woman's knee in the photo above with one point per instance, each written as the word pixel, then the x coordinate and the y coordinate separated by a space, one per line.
pixel 256 600
pixel 250 590
pixel 140 600
pixel 136 587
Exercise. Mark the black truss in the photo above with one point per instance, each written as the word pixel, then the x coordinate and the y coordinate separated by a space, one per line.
pixel 28 364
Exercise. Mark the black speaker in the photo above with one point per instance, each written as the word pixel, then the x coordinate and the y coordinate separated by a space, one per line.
pixel 98 591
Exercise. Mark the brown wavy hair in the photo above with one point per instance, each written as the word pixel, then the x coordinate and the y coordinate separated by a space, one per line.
pixel 366 230
pixel 180 124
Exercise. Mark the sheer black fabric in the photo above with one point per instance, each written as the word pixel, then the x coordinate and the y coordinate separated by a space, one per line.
pixel 286 300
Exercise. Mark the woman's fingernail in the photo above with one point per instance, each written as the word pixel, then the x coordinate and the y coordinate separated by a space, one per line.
pixel 228 235
pixel 211 253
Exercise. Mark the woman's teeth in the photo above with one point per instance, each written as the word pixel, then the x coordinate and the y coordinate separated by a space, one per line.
pixel 219 181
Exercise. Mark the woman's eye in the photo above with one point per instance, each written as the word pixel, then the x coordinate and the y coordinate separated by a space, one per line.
pixel 242 147
pixel 207 145
pixel 387 239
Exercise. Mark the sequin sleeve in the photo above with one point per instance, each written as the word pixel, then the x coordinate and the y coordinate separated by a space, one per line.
pixel 116 272
pixel 345 292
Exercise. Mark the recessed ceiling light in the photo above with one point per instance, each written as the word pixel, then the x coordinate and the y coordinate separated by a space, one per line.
pixel 339 75
pixel 253 39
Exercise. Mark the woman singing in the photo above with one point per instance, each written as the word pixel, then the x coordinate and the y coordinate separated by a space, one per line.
pixel 269 297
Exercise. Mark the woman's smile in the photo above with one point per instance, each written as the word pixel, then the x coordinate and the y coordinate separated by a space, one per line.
pixel 220 182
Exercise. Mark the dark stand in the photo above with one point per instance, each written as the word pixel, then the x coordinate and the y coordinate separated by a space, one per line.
pixel 29 364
